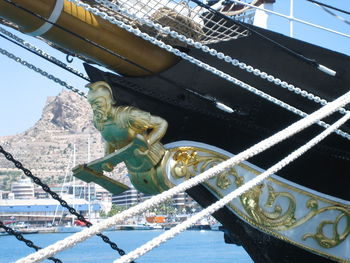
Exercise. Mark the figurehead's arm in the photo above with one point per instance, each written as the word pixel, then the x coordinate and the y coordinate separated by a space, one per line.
pixel 158 128
pixel 151 127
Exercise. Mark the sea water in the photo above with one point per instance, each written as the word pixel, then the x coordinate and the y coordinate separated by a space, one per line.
pixel 190 246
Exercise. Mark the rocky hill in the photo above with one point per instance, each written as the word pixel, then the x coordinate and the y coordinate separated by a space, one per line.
pixel 47 148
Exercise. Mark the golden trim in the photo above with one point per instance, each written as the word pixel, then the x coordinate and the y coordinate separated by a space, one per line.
pixel 255 214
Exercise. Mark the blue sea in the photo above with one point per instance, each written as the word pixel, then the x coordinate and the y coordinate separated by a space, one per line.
pixel 190 246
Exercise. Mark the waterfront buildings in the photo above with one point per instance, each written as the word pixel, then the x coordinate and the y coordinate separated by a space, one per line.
pixel 32 205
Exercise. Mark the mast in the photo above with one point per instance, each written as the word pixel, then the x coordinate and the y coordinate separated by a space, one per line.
pixel 74 164
pixel 88 184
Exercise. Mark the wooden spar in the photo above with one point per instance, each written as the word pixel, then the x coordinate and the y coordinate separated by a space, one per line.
pixel 89 26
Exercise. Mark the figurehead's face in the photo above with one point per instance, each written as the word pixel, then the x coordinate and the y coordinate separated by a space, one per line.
pixel 101 101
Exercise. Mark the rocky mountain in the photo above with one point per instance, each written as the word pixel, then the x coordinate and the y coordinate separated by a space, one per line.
pixel 47 148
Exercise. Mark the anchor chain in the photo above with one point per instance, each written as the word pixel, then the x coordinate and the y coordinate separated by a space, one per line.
pixel 28 242
pixel 55 196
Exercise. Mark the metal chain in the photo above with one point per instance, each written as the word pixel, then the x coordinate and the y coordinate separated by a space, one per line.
pixel 42 72
pixel 55 196
pixel 28 242
pixel 219 55
pixel 205 66
pixel 43 54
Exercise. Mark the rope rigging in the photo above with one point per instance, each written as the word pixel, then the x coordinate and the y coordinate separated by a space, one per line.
pixel 28 242
pixel 325 8
pixel 329 6
pixel 216 170
pixel 55 196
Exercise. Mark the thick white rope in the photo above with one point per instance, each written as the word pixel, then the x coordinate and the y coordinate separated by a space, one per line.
pixel 203 65
pixel 155 242
pixel 155 200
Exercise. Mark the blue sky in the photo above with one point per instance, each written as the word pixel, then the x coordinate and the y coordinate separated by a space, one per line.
pixel 23 92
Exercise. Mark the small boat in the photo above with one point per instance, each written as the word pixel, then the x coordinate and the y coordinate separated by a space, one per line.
pixel 26 231
pixel 134 227
pixel 69 229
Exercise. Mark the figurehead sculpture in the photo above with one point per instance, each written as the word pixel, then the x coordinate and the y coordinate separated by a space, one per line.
pixel 131 135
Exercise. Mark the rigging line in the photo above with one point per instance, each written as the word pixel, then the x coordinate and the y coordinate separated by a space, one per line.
pixel 267 143
pixel 214 101
pixel 155 242
pixel 333 14
pixel 28 242
pixel 44 57
pixel 310 61
pixel 329 6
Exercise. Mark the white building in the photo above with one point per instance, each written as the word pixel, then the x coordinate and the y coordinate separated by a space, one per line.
pixel 23 189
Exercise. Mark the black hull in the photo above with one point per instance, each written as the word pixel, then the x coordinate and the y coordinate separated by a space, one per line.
pixel 190 117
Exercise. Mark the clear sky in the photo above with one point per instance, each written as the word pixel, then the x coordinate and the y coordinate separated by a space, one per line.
pixel 23 92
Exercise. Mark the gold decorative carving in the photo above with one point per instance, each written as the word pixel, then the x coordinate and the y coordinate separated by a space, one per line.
pixel 277 219
pixel 190 161
pixel 336 238
pixel 188 164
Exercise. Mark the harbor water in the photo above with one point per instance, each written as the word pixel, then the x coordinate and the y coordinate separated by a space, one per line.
pixel 190 246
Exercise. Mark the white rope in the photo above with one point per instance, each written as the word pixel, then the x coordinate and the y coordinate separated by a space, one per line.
pixel 203 65
pixel 234 194
pixel 155 200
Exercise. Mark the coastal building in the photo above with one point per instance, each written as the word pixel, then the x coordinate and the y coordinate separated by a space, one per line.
pixel 131 197
pixel 41 212
pixel 23 189
pixel 128 198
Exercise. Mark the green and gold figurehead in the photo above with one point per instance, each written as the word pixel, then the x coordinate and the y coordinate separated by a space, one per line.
pixel 120 126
